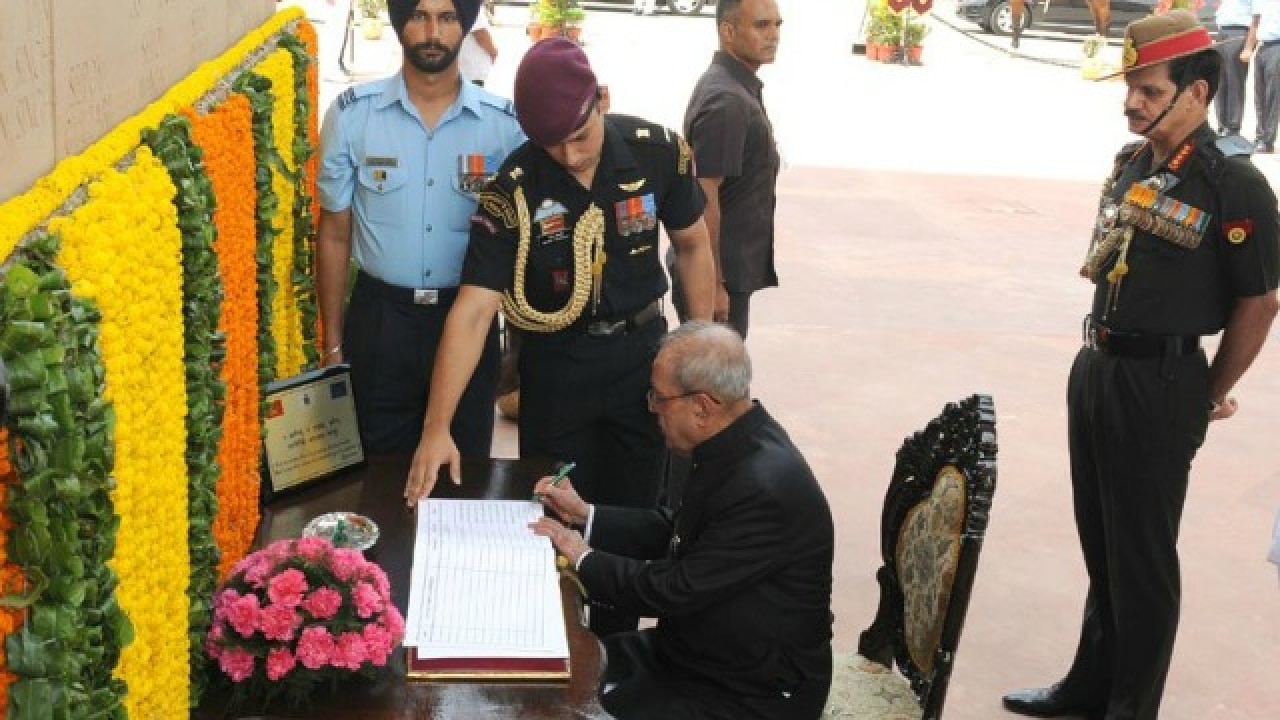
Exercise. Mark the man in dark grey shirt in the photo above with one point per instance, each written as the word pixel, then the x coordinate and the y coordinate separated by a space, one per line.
pixel 735 156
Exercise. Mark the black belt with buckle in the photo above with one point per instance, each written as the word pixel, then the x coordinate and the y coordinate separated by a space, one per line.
pixel 1103 339
pixel 404 295
pixel 624 325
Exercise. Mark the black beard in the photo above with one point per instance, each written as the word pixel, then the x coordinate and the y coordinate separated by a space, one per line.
pixel 416 55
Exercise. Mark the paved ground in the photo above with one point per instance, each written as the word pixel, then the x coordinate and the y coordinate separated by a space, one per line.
pixel 931 220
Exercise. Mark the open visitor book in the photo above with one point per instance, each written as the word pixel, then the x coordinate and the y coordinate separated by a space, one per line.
pixel 484 598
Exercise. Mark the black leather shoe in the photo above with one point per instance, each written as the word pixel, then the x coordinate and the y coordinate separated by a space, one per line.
pixel 1053 701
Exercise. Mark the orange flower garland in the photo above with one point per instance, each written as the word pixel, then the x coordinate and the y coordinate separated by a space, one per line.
pixel 306 32
pixel 226 136
pixel 11 579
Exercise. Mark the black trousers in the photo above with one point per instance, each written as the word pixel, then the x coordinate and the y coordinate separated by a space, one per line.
pixel 1266 92
pixel 739 302
pixel 391 346
pixel 1134 425
pixel 637 687
pixel 1229 102
pixel 582 399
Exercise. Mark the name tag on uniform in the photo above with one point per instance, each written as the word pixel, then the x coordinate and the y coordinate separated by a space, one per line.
pixel 378 161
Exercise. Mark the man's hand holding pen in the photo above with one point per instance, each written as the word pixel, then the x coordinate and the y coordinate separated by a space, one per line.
pixel 557 495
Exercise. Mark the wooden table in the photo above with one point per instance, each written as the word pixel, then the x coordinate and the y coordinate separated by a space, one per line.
pixel 375 491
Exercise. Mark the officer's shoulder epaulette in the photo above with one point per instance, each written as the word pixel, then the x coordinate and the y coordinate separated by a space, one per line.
pixel 639 130
pixel 358 92
pixel 499 103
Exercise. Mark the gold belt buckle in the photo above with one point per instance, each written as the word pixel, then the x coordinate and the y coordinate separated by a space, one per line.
pixel 426 296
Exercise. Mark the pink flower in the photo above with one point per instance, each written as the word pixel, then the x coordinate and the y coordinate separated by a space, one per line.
pixel 279 621
pixel 394 623
pixel 257 572
pixel 350 651
pixel 345 563
pixel 287 587
pixel 243 614
pixel 322 603
pixel 367 600
pixel 279 662
pixel 237 663
pixel 315 647
pixel 223 599
pixel 377 643
pixel 312 549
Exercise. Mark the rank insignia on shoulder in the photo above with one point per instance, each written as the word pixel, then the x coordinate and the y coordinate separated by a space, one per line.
pixel 347 97
pixel 516 173
pixel 1237 231
pixel 686 156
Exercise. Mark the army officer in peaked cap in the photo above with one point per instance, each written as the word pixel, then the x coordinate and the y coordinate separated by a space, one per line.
pixel 1185 246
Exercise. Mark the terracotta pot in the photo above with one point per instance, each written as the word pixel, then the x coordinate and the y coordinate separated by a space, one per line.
pixel 914 54
pixel 534 31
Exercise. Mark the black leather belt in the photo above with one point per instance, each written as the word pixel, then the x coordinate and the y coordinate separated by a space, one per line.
pixel 1103 339
pixel 624 325
pixel 404 295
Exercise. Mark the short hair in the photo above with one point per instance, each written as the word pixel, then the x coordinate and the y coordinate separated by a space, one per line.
pixel 710 358
pixel 1205 65
pixel 726 9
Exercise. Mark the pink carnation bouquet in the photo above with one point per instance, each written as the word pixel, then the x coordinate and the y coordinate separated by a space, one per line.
pixel 300 613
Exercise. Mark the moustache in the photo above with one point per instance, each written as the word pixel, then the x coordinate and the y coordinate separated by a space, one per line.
pixel 429 46
pixel 1133 115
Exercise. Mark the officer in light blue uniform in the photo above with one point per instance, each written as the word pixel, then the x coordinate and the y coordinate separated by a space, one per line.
pixel 1235 20
pixel 402 162
pixel 1266 73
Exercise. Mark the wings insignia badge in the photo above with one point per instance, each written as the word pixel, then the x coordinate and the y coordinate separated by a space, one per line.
pixel 631 187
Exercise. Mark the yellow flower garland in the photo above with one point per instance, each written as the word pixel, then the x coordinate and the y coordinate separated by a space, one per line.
pixel 285 318
pixel 122 248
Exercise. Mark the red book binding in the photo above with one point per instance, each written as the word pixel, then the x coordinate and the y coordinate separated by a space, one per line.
pixel 553 670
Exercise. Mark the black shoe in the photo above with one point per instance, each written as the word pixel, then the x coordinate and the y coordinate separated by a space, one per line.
pixel 1053 701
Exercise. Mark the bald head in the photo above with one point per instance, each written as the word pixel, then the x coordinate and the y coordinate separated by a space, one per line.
pixel 710 358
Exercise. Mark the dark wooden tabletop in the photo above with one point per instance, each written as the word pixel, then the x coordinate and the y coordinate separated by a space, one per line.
pixel 375 491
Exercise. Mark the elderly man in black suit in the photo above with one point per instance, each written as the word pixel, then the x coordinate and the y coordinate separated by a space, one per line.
pixel 739 578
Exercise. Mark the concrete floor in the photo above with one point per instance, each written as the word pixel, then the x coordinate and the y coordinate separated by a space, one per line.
pixel 924 256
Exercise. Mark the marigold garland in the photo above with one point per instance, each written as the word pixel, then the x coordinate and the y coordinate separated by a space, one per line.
pixel 305 143
pixel 11 577
pixel 226 136
pixel 123 249
pixel 256 89
pixel 285 319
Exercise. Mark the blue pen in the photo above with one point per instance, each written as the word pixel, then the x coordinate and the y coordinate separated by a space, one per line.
pixel 559 477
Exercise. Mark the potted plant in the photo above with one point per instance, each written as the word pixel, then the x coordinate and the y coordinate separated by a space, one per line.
pixel 556 17
pixel 884 32
pixel 913 34
pixel 371 17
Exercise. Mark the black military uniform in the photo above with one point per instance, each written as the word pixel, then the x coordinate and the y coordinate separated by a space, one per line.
pixel 583 379
pixel 1174 249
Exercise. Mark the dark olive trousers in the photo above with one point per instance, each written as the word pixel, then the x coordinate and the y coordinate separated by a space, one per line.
pixel 1134 426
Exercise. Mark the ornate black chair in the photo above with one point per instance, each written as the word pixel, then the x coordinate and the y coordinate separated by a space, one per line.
pixel 932 525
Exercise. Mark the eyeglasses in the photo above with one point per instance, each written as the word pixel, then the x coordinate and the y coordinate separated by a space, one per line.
pixel 655 400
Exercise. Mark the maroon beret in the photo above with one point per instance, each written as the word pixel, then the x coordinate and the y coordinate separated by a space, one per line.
pixel 554 90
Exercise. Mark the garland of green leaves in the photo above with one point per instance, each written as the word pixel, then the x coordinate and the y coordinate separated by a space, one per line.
pixel 257 89
pixel 65 527
pixel 303 221
pixel 205 348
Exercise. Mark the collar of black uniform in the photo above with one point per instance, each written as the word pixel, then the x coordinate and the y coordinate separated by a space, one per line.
pixel 738 71
pixel 727 442
pixel 616 154
pixel 1178 160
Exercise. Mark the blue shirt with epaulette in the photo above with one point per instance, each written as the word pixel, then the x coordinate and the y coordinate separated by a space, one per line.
pixel 411 189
